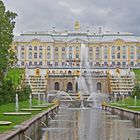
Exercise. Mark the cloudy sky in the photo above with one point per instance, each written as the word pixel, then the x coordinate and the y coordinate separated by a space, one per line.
pixel 41 15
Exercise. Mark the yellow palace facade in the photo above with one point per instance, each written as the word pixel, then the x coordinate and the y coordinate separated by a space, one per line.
pixel 62 49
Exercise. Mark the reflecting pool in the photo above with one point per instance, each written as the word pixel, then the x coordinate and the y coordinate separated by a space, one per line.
pixel 89 124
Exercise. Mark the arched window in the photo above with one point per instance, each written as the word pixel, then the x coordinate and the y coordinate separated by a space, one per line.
pixel 69 72
pixel 56 56
pixel 35 55
pixel 63 49
pixel 113 48
pixel 97 49
pixel 63 56
pixel 56 86
pixel 35 47
pixel 22 48
pixel 40 55
pixel 40 48
pixel 69 87
pixel 56 48
pixel 70 56
pixel 118 55
pixel 48 48
pixel 77 55
pixel 30 48
pixel 118 48
pixel 70 48
pixel 77 48
pixel 98 86
pixel 48 55
pixel 90 49
pixel 30 55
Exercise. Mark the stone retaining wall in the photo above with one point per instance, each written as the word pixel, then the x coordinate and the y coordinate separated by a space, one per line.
pixel 124 114
pixel 30 128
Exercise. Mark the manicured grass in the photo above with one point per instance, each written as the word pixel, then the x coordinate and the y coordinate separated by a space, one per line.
pixel 16 120
pixel 15 74
pixel 129 101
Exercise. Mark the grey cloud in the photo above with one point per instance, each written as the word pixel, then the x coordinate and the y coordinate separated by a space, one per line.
pixel 115 15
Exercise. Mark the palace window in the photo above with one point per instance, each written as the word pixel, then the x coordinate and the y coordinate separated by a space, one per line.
pixel 132 56
pixel 30 55
pixel 113 48
pixel 56 63
pixel 105 56
pixel 22 55
pixel 132 63
pixel 77 48
pixel 48 63
pixel 124 48
pixel 118 48
pixel 56 56
pixel 48 48
pixel 124 56
pixel 70 48
pixel 35 63
pixel 40 63
pixel 113 63
pixel 40 48
pixel 35 48
pixel 113 56
pixel 63 63
pixel 30 48
pixel 77 55
pixel 30 63
pixel 63 56
pixel 40 55
pixel 22 48
pixel 70 56
pixel 35 55
pixel 97 49
pixel 63 49
pixel 138 48
pixel 132 48
pixel 118 63
pixel 124 63
pixel 56 48
pixel 48 55
pixel 118 55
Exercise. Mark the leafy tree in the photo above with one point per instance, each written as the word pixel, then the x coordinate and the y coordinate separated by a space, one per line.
pixel 136 91
pixel 7 25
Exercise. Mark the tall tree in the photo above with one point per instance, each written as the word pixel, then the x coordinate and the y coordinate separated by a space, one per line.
pixel 7 25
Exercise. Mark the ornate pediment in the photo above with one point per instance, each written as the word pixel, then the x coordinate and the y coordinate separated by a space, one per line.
pixel 119 42
pixel 35 41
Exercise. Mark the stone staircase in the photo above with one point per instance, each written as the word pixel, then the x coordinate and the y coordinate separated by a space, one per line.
pixel 121 84
pixel 38 84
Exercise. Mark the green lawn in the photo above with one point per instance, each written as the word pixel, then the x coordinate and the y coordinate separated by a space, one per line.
pixel 15 74
pixel 16 119
pixel 129 101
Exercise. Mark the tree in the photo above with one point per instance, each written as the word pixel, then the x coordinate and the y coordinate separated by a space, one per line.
pixel 7 25
pixel 136 91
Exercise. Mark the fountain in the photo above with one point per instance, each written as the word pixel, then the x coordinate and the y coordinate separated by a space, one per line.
pixel 30 106
pixel 17 109
pixel 61 94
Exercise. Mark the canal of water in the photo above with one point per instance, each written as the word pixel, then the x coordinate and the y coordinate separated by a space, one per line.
pixel 89 124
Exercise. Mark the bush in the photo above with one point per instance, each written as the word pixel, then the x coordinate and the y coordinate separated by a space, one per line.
pixel 136 91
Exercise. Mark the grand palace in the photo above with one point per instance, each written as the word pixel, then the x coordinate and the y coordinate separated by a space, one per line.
pixel 55 57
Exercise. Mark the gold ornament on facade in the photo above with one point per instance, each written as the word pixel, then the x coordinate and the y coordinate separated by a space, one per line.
pixel 77 26
pixel 37 72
